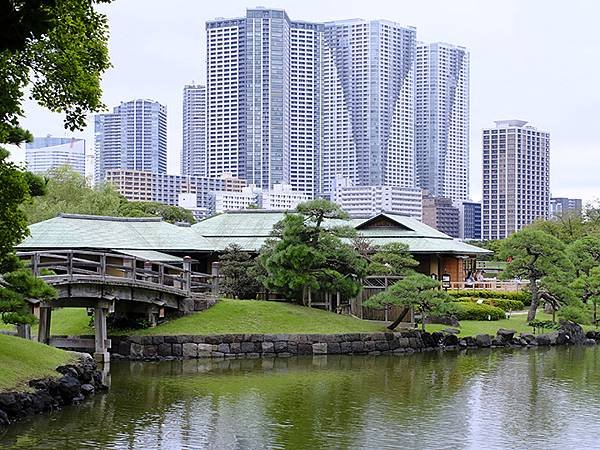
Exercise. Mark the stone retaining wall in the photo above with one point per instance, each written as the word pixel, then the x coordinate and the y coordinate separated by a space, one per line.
pixel 285 345
pixel 77 382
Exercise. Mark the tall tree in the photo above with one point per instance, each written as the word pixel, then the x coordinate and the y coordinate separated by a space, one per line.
pixel 535 255
pixel 240 277
pixel 307 254
pixel 55 51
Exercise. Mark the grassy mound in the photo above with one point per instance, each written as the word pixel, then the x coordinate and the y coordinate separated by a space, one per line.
pixel 252 316
pixel 22 360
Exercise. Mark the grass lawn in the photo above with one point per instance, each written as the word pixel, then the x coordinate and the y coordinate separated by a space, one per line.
pixel 22 360
pixel 474 327
pixel 65 322
pixel 252 316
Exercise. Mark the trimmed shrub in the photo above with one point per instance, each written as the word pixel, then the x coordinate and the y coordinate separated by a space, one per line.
pixel 522 296
pixel 474 311
pixel 502 303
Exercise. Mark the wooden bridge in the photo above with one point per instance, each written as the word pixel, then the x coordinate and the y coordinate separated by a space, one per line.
pixel 113 283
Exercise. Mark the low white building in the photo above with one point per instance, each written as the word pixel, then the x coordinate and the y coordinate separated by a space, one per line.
pixel 282 197
pixel 46 153
pixel 249 196
pixel 360 201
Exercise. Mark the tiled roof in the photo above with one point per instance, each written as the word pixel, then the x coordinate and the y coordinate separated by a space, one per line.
pixel 139 233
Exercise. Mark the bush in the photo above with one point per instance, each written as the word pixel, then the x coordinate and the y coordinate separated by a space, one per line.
pixel 522 296
pixel 575 313
pixel 502 303
pixel 474 311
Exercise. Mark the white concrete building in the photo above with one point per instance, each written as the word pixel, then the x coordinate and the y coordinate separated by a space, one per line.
pixel 281 196
pixel 248 197
pixel 360 201
pixel 516 177
pixel 46 153
pixel 442 120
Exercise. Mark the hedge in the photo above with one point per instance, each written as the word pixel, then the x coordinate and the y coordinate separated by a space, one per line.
pixel 502 303
pixel 522 296
pixel 475 311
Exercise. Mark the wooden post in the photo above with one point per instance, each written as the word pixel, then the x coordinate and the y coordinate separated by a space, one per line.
pixel 70 264
pixel 24 331
pixel 161 274
pixel 309 297
pixel 337 300
pixel 103 266
pixel 35 264
pixel 214 272
pixel 101 354
pixel 44 326
pixel 187 274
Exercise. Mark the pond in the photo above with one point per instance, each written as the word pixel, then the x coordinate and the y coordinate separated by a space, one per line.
pixel 530 399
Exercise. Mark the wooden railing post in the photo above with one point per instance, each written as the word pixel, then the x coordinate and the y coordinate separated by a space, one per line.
pixel 44 326
pixel 70 264
pixel 161 274
pixel 187 274
pixel 35 264
pixel 103 266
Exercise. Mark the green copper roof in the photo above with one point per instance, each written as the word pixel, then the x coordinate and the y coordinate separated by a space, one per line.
pixel 97 232
pixel 151 255
pixel 250 229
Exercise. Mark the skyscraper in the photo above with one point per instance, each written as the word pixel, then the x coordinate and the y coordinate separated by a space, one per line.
pixel 46 153
pixel 193 154
pixel 262 98
pixel 516 177
pixel 442 120
pixel 368 103
pixel 133 136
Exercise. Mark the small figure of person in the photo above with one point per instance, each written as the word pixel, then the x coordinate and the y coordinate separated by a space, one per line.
pixel 479 276
pixel 469 280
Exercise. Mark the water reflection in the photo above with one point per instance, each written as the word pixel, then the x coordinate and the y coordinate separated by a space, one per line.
pixel 542 398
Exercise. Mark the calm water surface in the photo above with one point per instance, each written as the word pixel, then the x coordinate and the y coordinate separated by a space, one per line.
pixel 529 399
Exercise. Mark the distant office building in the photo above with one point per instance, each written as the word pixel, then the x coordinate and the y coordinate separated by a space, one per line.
pixel 189 201
pixel 262 99
pixel 516 177
pixel 562 205
pixel 469 220
pixel 281 196
pixel 368 103
pixel 136 185
pixel 441 214
pixel 362 201
pixel 133 136
pixel 193 154
pixel 46 153
pixel 442 120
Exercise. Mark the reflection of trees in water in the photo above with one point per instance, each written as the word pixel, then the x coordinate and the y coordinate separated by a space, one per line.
pixel 316 402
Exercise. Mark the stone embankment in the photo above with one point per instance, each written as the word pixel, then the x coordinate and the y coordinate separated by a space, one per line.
pixel 285 345
pixel 78 381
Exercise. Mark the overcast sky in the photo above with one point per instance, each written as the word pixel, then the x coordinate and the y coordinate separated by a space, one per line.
pixel 533 60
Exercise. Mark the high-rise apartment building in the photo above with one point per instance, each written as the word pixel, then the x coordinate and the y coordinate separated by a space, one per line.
pixel 46 153
pixel 193 154
pixel 262 99
pixel 516 177
pixel 368 103
pixel 133 136
pixel 442 120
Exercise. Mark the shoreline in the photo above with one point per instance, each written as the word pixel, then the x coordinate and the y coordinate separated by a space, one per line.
pixel 229 346
pixel 72 385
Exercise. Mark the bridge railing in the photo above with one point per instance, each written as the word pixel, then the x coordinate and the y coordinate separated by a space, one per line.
pixel 82 263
